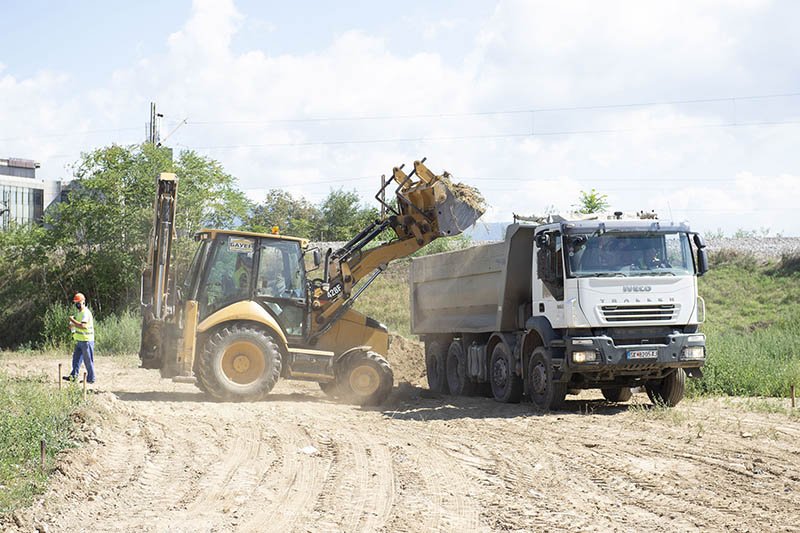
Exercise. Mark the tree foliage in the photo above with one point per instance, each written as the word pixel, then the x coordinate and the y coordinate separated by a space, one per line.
pixel 592 202
pixel 96 242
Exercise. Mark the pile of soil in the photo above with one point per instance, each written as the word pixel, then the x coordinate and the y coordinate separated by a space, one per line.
pixel 469 195
pixel 407 358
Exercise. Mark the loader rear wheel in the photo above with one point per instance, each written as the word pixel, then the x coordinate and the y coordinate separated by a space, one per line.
pixel 436 366
pixel 507 386
pixel 622 394
pixel 545 394
pixel 457 380
pixel 365 378
pixel 239 363
pixel 669 390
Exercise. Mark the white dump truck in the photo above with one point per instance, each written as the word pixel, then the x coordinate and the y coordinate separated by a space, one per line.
pixel 563 305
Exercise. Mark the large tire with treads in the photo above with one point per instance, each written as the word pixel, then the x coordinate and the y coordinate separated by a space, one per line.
pixel 617 394
pixel 507 385
pixel 239 363
pixel 669 390
pixel 364 378
pixel 545 393
pixel 436 365
pixel 457 380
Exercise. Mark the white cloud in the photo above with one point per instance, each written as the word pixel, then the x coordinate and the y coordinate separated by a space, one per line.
pixel 527 55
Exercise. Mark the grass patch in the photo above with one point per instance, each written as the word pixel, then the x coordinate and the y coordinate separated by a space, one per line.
pixel 752 327
pixel 114 334
pixel 387 299
pixel 31 410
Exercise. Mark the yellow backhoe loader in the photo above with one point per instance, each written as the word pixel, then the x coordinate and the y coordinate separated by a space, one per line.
pixel 249 311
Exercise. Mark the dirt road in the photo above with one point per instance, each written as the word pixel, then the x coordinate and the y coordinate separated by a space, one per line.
pixel 164 458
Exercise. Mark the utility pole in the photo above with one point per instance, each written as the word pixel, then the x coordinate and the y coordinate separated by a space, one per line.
pixel 154 134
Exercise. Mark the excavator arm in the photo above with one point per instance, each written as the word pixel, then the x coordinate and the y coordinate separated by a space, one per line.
pixel 157 289
pixel 428 206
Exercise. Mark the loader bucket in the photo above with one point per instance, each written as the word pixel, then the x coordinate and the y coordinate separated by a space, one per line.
pixel 455 214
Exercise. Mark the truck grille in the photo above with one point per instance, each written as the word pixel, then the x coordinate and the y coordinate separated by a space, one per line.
pixel 637 313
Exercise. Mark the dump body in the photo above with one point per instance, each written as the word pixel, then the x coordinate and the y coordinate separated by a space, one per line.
pixel 475 290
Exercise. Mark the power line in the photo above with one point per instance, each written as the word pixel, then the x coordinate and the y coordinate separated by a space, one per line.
pixel 494 136
pixel 504 112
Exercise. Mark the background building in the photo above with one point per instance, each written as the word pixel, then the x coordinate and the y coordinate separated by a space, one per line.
pixel 23 197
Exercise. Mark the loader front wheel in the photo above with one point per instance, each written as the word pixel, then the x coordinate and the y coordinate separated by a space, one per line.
pixel 365 378
pixel 239 363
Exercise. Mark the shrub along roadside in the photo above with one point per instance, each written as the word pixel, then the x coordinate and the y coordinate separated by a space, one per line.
pixel 31 409
pixel 115 334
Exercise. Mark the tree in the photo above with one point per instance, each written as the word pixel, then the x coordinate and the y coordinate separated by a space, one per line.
pixel 591 202
pixel 96 242
pixel 296 217
pixel 343 216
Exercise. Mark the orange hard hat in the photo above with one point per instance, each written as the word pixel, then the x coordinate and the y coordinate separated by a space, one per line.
pixel 79 297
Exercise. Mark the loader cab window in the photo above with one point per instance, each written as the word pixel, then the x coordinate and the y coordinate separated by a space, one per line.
pixel 281 283
pixel 229 274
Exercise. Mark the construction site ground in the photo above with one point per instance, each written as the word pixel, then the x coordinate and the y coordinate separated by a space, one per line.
pixel 159 456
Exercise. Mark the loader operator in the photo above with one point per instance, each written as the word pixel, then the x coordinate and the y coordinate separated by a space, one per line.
pixel 82 325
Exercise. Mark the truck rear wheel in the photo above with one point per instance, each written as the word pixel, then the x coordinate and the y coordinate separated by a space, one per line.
pixel 457 380
pixel 239 363
pixel 669 390
pixel 622 394
pixel 436 366
pixel 507 385
pixel 545 394
pixel 366 378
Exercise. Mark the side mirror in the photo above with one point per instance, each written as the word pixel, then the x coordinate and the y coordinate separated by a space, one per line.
pixel 317 257
pixel 702 261
pixel 542 240
pixel 698 241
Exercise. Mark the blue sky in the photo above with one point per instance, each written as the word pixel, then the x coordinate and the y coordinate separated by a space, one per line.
pixel 531 102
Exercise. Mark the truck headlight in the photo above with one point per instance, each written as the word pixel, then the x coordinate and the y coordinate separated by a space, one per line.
pixel 693 352
pixel 584 357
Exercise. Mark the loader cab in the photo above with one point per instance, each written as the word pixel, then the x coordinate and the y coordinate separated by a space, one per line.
pixel 231 267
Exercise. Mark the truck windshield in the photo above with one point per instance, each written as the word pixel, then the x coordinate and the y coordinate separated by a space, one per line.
pixel 628 254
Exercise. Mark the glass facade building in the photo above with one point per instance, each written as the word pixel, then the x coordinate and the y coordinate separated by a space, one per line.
pixel 23 197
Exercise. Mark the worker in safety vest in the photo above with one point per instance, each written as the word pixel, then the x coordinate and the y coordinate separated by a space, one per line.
pixel 82 326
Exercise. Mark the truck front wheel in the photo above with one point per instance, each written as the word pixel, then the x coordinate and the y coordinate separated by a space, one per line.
pixel 507 386
pixel 457 380
pixel 669 390
pixel 545 394
pixel 622 394
pixel 239 363
pixel 436 365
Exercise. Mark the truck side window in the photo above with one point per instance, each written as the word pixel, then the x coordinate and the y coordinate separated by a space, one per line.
pixel 550 267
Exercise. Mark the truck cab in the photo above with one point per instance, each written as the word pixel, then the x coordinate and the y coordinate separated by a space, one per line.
pixel 622 296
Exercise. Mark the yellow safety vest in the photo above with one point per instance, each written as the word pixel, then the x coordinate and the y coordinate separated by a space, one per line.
pixel 87 333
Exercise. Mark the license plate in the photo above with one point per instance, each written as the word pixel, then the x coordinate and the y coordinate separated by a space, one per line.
pixel 642 354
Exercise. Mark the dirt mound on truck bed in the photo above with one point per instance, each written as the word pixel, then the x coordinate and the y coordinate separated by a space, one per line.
pixel 407 358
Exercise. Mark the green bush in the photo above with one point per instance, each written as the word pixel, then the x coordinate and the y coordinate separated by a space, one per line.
pixel 763 362
pixel 31 410
pixel 56 335
pixel 118 334
pixel 114 334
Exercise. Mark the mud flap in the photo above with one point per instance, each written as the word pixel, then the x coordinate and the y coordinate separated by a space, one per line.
pixel 693 372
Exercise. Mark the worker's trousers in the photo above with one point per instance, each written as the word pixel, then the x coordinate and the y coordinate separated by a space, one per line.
pixel 84 351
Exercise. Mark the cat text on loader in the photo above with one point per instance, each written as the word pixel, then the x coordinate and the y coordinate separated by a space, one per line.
pixel 250 312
